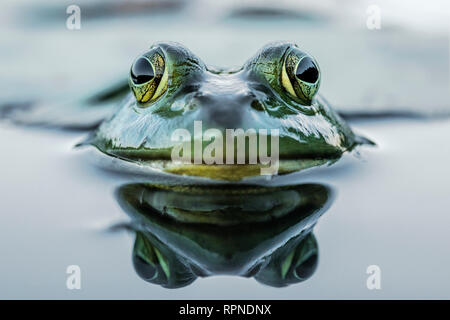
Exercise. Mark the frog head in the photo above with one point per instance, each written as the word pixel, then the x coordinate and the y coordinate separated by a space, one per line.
pixel 179 106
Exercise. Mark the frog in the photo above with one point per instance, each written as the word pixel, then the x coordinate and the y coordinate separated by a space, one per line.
pixel 185 233
pixel 277 89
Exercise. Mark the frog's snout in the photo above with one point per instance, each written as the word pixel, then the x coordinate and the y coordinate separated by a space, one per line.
pixel 226 102
pixel 226 110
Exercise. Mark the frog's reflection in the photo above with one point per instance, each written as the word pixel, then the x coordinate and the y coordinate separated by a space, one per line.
pixel 186 232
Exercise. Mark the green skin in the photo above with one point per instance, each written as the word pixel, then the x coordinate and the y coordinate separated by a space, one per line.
pixel 265 233
pixel 310 132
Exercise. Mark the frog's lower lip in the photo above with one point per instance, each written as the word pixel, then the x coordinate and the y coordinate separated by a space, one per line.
pixel 142 162
pixel 231 172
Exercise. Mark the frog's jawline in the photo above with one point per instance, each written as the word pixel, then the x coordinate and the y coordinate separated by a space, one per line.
pixel 224 172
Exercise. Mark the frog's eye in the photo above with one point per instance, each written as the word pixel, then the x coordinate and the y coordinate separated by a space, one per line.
pixel 149 77
pixel 300 75
pixel 142 71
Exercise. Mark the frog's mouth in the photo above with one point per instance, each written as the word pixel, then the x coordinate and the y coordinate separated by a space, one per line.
pixel 236 172
pixel 289 160
pixel 227 172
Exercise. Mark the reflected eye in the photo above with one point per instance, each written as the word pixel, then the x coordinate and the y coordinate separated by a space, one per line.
pixel 300 76
pixel 149 76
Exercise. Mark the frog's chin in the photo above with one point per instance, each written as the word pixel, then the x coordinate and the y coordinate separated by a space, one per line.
pixel 237 172
pixel 229 172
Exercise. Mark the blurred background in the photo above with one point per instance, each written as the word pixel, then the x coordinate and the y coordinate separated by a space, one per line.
pixel 402 65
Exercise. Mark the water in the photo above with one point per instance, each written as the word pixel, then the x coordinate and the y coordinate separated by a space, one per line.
pixel 389 211
pixel 57 209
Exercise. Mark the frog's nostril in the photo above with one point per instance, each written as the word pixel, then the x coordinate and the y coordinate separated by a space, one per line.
pixel 257 105
pixel 203 98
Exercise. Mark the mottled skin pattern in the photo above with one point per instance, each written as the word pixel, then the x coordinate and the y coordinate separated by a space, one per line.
pixel 260 95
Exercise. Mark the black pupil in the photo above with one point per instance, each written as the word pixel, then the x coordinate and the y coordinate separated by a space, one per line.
pixel 142 71
pixel 307 71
